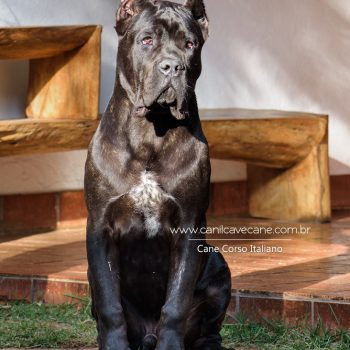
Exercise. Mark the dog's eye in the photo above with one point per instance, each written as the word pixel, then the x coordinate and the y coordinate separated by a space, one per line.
pixel 190 45
pixel 147 41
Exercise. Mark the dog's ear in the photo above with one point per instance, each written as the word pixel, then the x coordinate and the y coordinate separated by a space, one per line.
pixel 197 8
pixel 127 10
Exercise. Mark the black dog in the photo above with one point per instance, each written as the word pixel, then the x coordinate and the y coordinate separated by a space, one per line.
pixel 148 173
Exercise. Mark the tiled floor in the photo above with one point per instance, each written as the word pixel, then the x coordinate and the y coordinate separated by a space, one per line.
pixel 308 280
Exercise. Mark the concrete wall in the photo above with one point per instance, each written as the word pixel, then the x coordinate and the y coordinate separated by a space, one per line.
pixel 281 54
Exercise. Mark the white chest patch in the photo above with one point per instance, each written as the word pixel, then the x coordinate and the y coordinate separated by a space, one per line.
pixel 148 197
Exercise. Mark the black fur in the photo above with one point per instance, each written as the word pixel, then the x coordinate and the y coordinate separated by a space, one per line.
pixel 153 292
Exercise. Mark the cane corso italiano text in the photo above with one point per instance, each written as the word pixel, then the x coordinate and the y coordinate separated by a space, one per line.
pixel 147 175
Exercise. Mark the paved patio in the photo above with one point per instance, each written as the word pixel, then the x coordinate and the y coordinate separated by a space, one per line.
pixel 307 278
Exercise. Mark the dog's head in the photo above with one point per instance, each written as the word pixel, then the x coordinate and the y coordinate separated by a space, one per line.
pixel 160 46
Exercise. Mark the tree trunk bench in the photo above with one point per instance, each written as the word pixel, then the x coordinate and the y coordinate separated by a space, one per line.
pixel 287 153
pixel 62 106
pixel 287 157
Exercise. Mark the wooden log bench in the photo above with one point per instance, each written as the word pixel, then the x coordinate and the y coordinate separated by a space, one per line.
pixel 286 152
pixel 62 105
pixel 64 73
pixel 287 157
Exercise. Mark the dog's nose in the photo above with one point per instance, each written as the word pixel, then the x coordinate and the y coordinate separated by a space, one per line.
pixel 171 67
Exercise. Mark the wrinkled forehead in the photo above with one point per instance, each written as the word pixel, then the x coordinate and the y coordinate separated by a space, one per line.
pixel 171 18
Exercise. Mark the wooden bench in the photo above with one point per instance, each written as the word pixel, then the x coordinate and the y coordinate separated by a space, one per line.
pixel 286 152
pixel 62 106
pixel 64 74
pixel 287 156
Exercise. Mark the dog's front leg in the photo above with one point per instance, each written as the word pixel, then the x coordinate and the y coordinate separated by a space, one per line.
pixel 103 261
pixel 184 270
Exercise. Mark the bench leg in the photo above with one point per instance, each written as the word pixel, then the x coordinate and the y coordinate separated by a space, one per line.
pixel 67 85
pixel 300 193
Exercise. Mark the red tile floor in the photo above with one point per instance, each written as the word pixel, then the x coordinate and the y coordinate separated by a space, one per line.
pixel 307 281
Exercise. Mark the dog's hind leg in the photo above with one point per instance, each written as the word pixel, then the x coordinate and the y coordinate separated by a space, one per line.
pixel 213 294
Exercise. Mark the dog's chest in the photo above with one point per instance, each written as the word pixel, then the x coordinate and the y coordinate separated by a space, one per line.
pixel 148 198
pixel 147 193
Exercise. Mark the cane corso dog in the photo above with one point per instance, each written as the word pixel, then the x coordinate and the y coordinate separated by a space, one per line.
pixel 147 175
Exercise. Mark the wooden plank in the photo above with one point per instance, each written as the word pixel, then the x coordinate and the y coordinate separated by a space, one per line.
pixel 242 113
pixel 67 85
pixel 40 42
pixel 25 136
pixel 277 142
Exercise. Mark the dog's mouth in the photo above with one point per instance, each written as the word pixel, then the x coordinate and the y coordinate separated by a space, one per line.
pixel 167 97
pixel 167 100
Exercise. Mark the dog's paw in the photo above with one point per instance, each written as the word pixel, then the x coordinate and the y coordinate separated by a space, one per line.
pixel 170 340
pixel 110 342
